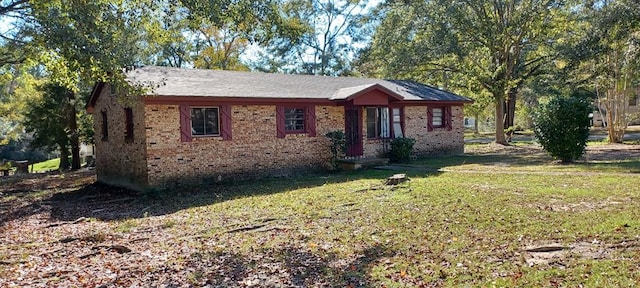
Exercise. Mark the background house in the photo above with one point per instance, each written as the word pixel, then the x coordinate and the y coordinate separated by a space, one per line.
pixel 200 125
pixel 632 110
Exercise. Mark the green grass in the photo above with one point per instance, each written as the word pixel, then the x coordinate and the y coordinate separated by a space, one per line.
pixel 45 166
pixel 454 228
pixel 460 221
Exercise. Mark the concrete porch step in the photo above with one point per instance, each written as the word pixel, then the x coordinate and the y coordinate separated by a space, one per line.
pixel 359 163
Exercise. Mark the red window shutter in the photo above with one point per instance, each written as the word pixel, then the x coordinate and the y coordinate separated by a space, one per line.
pixel 429 119
pixel 402 121
pixel 280 122
pixel 185 123
pixel 311 120
pixel 447 118
pixel 225 111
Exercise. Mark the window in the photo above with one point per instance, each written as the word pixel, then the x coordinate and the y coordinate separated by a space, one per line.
pixel 397 122
pixel 128 128
pixel 633 100
pixel 294 120
pixel 377 122
pixel 438 117
pixel 105 126
pixel 384 122
pixel 205 121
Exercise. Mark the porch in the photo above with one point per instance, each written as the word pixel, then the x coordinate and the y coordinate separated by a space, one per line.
pixel 360 163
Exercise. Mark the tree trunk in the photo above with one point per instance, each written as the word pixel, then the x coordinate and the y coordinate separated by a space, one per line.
pixel 510 108
pixel 64 158
pixel 475 123
pixel 500 139
pixel 73 130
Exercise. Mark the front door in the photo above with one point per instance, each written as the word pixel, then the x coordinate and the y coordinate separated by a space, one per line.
pixel 353 131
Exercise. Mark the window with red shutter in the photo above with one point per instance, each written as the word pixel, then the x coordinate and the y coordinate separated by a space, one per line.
pixel 128 124
pixel 105 126
pixel 295 120
pixel 206 121
pixel 438 117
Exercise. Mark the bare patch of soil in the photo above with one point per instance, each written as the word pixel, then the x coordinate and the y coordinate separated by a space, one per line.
pixel 558 254
pixel 45 181
pixel 576 207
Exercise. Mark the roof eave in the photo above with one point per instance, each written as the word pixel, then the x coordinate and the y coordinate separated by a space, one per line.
pixel 370 88
pixel 95 93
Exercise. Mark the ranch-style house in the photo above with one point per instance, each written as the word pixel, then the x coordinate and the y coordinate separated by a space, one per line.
pixel 210 125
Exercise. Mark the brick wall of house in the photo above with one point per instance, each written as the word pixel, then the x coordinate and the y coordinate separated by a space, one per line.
pixel 254 150
pixel 158 158
pixel 438 141
pixel 119 162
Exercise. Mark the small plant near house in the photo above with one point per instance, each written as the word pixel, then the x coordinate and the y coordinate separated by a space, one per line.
pixel 338 145
pixel 401 149
pixel 562 127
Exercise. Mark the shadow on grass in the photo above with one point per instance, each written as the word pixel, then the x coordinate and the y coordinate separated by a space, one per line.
pixel 518 157
pixel 625 166
pixel 608 160
pixel 108 203
pixel 288 266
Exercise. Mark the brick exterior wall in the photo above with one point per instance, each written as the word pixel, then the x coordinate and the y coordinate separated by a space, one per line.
pixel 157 158
pixel 254 150
pixel 438 141
pixel 120 162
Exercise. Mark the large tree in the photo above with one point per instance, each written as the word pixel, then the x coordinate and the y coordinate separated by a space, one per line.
pixel 334 32
pixel 223 30
pixel 48 119
pixel 82 42
pixel 494 45
pixel 607 58
pixel 18 89
pixel 14 16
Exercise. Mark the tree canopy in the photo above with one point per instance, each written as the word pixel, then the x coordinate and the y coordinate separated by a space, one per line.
pixel 492 46
pixel 499 52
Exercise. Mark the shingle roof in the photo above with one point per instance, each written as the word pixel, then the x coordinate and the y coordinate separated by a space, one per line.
pixel 218 83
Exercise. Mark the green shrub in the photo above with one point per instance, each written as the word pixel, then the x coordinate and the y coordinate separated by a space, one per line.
pixel 338 145
pixel 401 149
pixel 562 127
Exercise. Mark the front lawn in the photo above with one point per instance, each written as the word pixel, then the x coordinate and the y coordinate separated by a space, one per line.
pixel 45 166
pixel 493 217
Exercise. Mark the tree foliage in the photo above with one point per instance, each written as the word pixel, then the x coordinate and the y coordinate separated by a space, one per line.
pixel 562 127
pixel 15 15
pixel 90 40
pixel 49 124
pixel 491 45
pixel 607 59
pixel 331 33
pixel 18 89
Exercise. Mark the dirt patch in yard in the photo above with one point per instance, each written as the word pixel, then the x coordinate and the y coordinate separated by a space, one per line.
pixel 558 254
pixel 45 181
